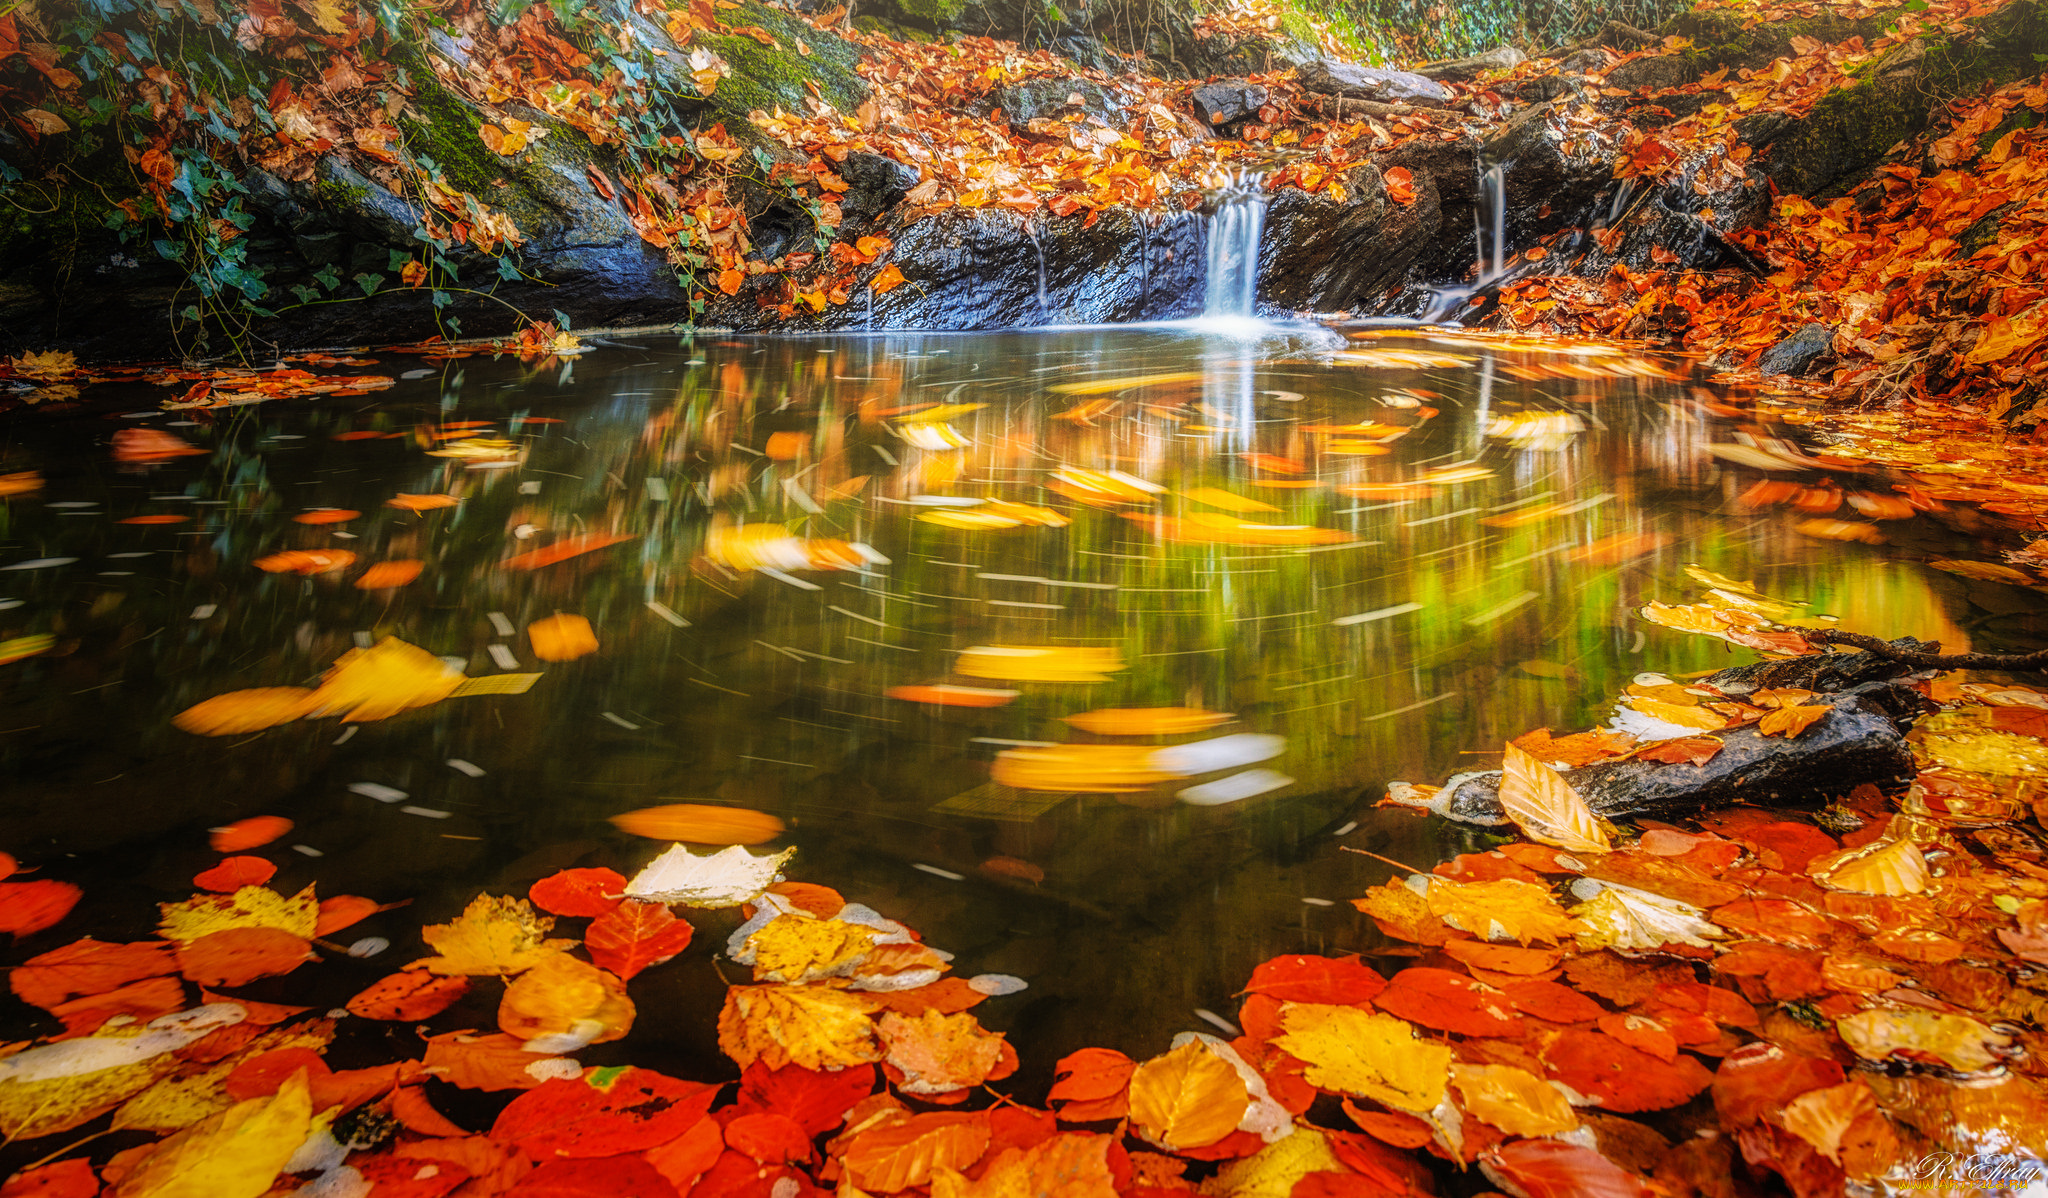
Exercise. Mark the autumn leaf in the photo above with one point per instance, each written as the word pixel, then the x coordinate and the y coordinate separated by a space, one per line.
pixel 730 281
pixel 1545 806
pixel 561 996
pixel 493 1062
pixel 1400 185
pixel 1504 909
pixel 1402 914
pixel 233 873
pixel 1335 981
pixel 238 956
pixel 700 823
pixel 1514 1100
pixel 797 948
pixel 86 967
pixel 1449 1002
pixel 383 680
pixel 492 936
pixel 1365 1053
pixel 235 1154
pixel 1187 1098
pixel 249 907
pixel 1791 721
pixel 1093 1084
pixel 250 833
pixel 561 638
pixel 937 1054
pixel 1147 721
pixel 1072 1165
pixel 728 878
pixel 237 713
pixel 797 1025
pixel 1685 750
pixel 385 575
pixel 410 994
pixel 581 893
pixel 604 1113
pixel 636 935
pixel 1621 1078
pixel 29 907
pixel 900 1155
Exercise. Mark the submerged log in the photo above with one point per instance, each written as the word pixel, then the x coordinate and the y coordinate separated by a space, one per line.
pixel 1861 742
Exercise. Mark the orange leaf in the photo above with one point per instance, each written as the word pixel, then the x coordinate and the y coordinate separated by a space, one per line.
pixel 416 1114
pixel 301 561
pixel 332 515
pixel 238 712
pixel 905 1154
pixel 473 1062
pixel 385 575
pixel 140 1001
pixel 1686 750
pixel 233 873
pixel 238 956
pixel 1400 184
pixel 154 520
pixel 346 910
pixel 1188 1098
pixel 730 281
pixel 87 966
pixel 564 549
pixel 700 823
pixel 1791 721
pixel 561 638
pixel 635 935
pixel 421 503
pixel 409 994
pixel 887 280
pixel 249 833
pixel 27 907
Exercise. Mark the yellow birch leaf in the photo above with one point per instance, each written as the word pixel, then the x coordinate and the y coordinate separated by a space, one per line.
pixel 1188 1098
pixel 562 995
pixel 235 1154
pixel 1514 1100
pixel 797 1025
pixel 1274 1171
pixel 795 949
pixel 50 1105
pixel 1888 866
pixel 1366 1053
pixel 1504 909
pixel 1073 1165
pixel 249 907
pixel 493 935
pixel 1791 721
pixel 1700 719
pixel 1546 807
pixel 178 1102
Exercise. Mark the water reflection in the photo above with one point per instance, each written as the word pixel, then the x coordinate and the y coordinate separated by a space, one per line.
pixel 1382 559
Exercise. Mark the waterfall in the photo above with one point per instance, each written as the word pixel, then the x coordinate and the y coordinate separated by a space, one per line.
pixel 1489 237
pixel 1234 247
pixel 1038 246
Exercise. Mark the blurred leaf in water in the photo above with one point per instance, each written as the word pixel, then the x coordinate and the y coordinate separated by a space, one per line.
pixel 249 833
pixel 492 936
pixel 388 575
pixel 327 515
pixel 561 638
pixel 383 680
pixel 1125 383
pixel 564 549
pixel 1040 663
pixel 151 445
pixel 1208 528
pixel 26 646
pixel 306 561
pixel 1088 769
pixel 1147 721
pixel 421 503
pixel 953 696
pixel 1218 498
pixel 700 823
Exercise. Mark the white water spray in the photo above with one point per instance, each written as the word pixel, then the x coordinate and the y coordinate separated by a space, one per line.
pixel 1234 248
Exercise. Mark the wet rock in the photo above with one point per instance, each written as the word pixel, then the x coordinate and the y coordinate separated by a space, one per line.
pixel 1548 179
pixel 1861 742
pixel 1799 353
pixel 1202 57
pixel 1465 70
pixel 1680 219
pixel 1656 72
pixel 1319 255
pixel 1226 101
pixel 1052 98
pixel 875 185
pixel 1333 77
pixel 1537 90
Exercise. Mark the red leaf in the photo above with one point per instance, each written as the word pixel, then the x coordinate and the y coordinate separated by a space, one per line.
pixel 636 935
pixel 1794 843
pixel 564 549
pixel 143 1001
pixel 1092 1085
pixel 414 1113
pixel 1449 1002
pixel 1759 1079
pixel 578 892
pixel 263 1073
pixel 1548 1000
pixel 1396 1171
pixel 28 907
pixel 689 1156
pixel 249 833
pixel 610 1112
pixel 1390 1127
pixel 65 1179
pixel 1400 184
pixel 816 1101
pixel 87 966
pixel 769 1138
pixel 1623 1079
pixel 1777 920
pixel 346 910
pixel 1555 1169
pixel 1337 981
pixel 401 1177
pixel 238 956
pixel 233 873
pixel 409 994
pixel 609 1177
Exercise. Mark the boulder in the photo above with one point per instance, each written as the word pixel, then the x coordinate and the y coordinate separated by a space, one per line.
pixel 1465 70
pixel 1226 101
pixel 1656 73
pixel 1348 80
pixel 1535 91
pixel 875 185
pixel 1799 353
pixel 1583 62
pixel 1320 255
pixel 1052 98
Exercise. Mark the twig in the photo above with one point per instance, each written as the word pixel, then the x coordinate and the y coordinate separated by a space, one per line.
pixel 2037 662
pixel 1389 860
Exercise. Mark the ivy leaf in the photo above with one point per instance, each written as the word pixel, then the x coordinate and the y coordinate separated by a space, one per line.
pixel 369 282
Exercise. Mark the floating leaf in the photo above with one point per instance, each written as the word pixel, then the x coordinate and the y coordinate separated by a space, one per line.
pixel 1332 981
pixel 900 1155
pixel 233 873
pixel 250 833
pixel 727 878
pixel 1147 721
pixel 636 935
pixel 1545 806
pixel 30 907
pixel 797 1025
pixel 938 1053
pixel 1188 1098
pixel 87 966
pixel 700 823
pixel 235 1154
pixel 1958 1041
pixel 410 994
pixel 492 936
pixel 239 712
pixel 1368 1054
pixel 238 956
pixel 607 1112
pixel 582 893
pixel 249 907
pixel 1514 1100
pixel 561 638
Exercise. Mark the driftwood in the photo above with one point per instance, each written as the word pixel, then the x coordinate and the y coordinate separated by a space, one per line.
pixel 1861 742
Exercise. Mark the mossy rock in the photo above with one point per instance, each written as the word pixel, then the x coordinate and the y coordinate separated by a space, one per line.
pixel 1719 38
pixel 765 78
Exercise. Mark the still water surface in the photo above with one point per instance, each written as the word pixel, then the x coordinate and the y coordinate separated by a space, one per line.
pixel 1492 511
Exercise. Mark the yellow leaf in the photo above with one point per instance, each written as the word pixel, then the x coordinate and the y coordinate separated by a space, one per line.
pixel 1700 719
pixel 1073 1165
pixel 795 949
pixel 1546 807
pixel 235 1154
pixel 1147 721
pixel 1188 1098
pixel 1104 386
pixel 1274 1171
pixel 383 680
pixel 1514 1100
pixel 1504 909
pixel 797 1025
pixel 329 15
pixel 57 1100
pixel 561 638
pixel 249 907
pixel 1791 721
pixel 1962 1043
pixel 1366 1053
pixel 1040 663
pixel 1217 497
pixel 561 995
pixel 1884 866
pixel 238 712
pixel 1632 920
pixel 493 935
pixel 179 1101
pixel 1093 769
pixel 945 411
pixel 47 366
pixel 1822 1117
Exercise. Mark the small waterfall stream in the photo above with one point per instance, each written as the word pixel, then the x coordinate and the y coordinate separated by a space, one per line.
pixel 1489 238
pixel 1232 290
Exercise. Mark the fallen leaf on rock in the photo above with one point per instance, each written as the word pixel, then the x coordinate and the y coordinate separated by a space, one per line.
pixel 1545 806
pixel 1791 721
pixel 1686 750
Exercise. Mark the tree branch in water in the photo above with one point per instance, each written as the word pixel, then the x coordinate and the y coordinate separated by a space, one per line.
pixel 1934 661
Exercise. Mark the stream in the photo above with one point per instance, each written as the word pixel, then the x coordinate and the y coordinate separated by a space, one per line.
pixel 1383 551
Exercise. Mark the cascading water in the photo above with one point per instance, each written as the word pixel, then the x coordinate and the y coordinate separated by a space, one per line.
pixel 1234 248
pixel 1489 236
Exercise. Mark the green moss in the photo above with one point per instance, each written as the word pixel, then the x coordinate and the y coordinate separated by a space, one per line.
pixel 335 194
pixel 770 77
pixel 933 12
pixel 440 126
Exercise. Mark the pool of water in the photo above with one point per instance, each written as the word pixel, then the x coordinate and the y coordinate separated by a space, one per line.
pixel 1390 550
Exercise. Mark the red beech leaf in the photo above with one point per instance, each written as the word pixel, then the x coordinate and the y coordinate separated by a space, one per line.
pixel 1336 981
pixel 409 994
pixel 65 1179
pixel 605 1177
pixel 1555 1169
pixel 1449 1002
pixel 769 1138
pixel 233 873
pixel 1623 1079
pixel 87 966
pixel 29 907
pixel 1759 1079
pixel 817 1101
pixel 634 936
pixel 608 1112
pixel 579 892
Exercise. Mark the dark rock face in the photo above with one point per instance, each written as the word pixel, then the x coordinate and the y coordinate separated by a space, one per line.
pixel 1052 98
pixel 1862 741
pixel 1548 180
pixel 986 270
pixel 1799 353
pixel 1330 77
pixel 1319 255
pixel 1465 70
pixel 1656 73
pixel 877 184
pixel 1537 90
pixel 1226 101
